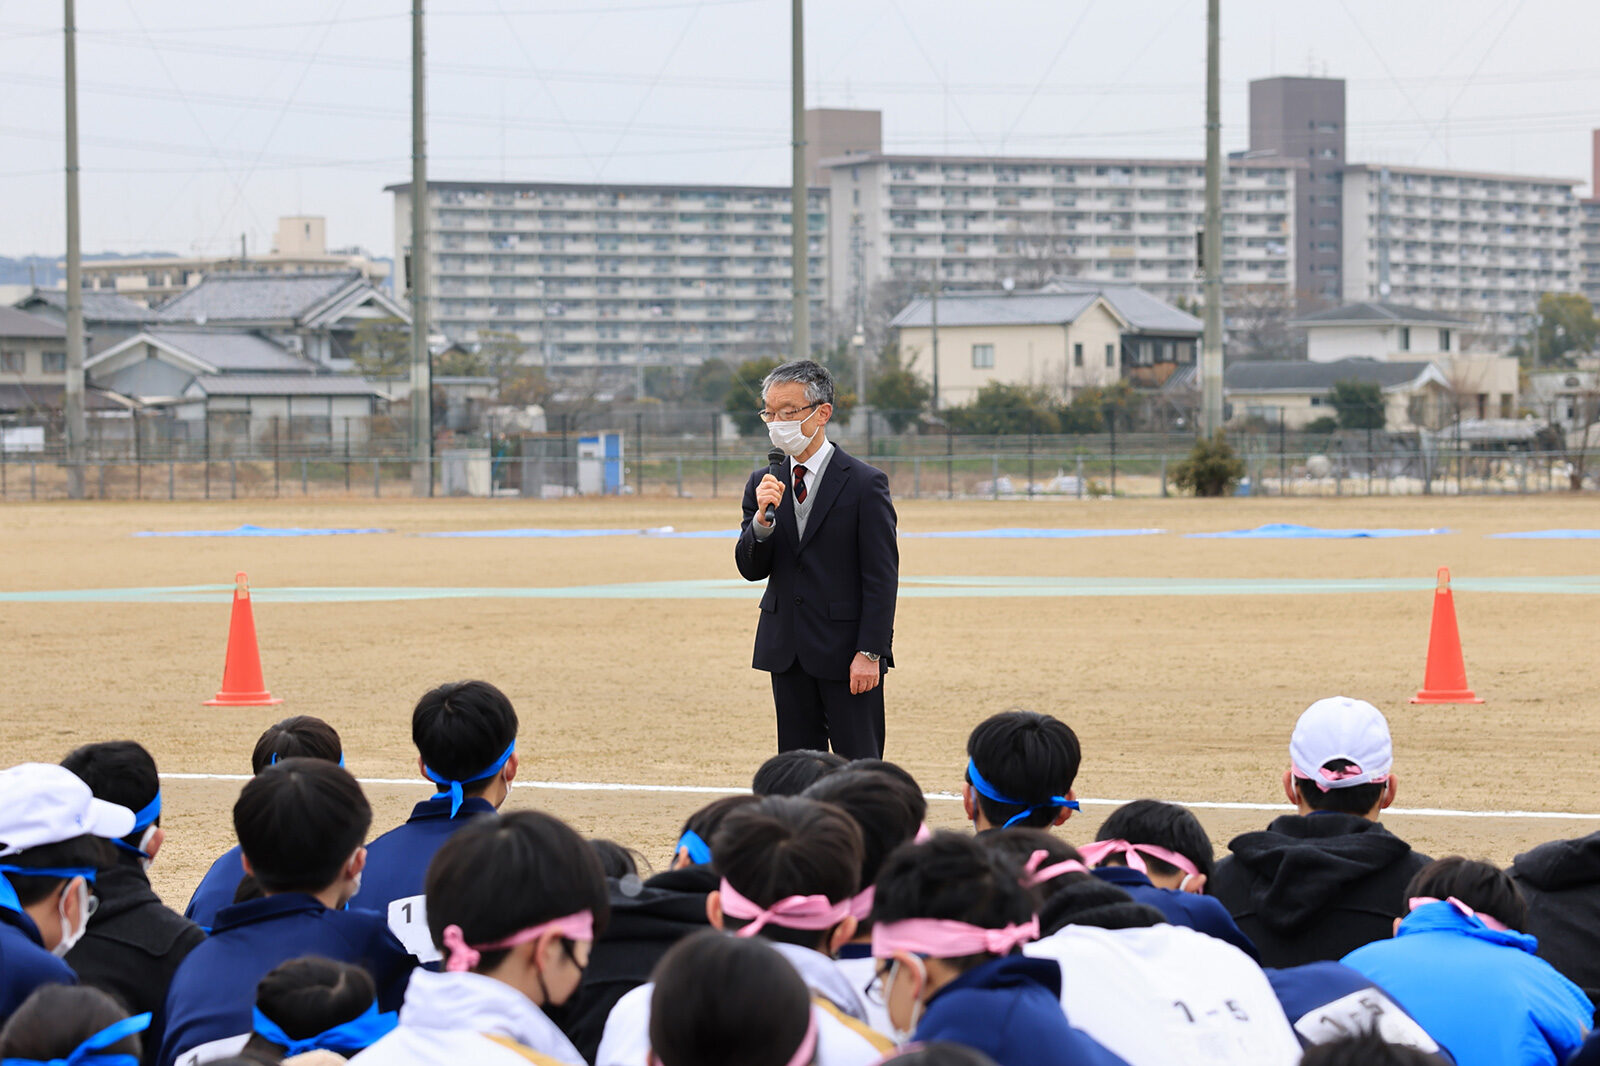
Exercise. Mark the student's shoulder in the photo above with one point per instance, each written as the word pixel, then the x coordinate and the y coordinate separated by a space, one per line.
pixel 830 1019
pixel 21 960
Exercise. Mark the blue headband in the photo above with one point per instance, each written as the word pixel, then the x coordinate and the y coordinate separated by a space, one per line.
pixel 454 790
pixel 274 762
pixel 143 819
pixel 357 1034
pixel 92 1050
pixel 693 843
pixel 989 791
pixel 8 891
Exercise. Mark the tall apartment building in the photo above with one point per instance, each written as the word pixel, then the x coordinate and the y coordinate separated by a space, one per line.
pixel 615 275
pixel 1482 245
pixel 1303 118
pixel 985 220
pixel 1589 230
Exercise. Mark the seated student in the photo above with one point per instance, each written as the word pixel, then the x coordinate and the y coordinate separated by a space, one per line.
pixel 62 1024
pixel 1561 882
pixel 790 773
pixel 300 824
pixel 1320 883
pixel 52 846
pixel 789 870
pixel 729 1001
pixel 947 918
pixel 1020 769
pixel 1151 992
pixel 514 904
pixel 616 861
pixel 1326 1001
pixel 644 924
pixel 1460 964
pixel 1368 1047
pixel 938 1053
pixel 888 812
pixel 299 737
pixel 1159 854
pixel 314 1004
pixel 134 943
pixel 466 738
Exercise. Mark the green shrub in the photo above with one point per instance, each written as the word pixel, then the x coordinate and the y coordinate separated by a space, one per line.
pixel 1212 468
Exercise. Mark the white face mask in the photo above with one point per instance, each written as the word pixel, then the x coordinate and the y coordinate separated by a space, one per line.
pixel 789 436
pixel 68 940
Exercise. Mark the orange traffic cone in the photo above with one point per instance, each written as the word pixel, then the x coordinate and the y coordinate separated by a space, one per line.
pixel 242 683
pixel 1446 677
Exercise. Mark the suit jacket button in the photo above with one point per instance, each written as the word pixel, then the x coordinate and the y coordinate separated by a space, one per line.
pixel 799 599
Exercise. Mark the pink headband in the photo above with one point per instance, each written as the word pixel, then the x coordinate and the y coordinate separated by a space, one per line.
pixel 464 956
pixel 802 1054
pixel 861 903
pixel 1034 873
pixel 945 939
pixel 794 912
pixel 924 834
pixel 1095 854
pixel 1488 922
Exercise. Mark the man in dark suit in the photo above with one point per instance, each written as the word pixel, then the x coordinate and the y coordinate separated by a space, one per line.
pixel 832 569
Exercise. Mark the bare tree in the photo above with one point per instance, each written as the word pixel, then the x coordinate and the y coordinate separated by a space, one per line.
pixel 1037 250
pixel 1258 323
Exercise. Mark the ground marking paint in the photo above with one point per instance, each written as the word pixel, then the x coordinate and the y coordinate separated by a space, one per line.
pixel 714 790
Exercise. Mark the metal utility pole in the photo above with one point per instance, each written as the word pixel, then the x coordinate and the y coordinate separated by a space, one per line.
pixel 1211 345
pixel 799 206
pixel 933 301
pixel 421 366
pixel 72 399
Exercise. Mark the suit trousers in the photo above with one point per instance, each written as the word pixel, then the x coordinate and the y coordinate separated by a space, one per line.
pixel 814 713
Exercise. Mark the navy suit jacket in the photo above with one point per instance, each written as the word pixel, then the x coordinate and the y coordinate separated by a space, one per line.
pixel 831 593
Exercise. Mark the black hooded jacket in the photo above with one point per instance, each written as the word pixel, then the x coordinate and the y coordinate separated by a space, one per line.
pixel 644 924
pixel 1315 887
pixel 1561 882
pixel 134 942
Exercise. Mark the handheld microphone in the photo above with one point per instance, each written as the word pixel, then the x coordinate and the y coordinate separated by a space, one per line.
pixel 775 459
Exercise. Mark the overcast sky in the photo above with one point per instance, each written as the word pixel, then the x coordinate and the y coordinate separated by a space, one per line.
pixel 204 120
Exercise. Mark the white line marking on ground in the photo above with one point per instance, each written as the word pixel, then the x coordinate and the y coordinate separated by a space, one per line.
pixel 713 790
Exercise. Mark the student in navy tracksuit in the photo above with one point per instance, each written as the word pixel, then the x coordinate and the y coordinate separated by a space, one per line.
pixel 1326 1001
pixel 300 737
pixel 301 824
pixel 947 916
pixel 1159 854
pixel 466 736
pixel 53 832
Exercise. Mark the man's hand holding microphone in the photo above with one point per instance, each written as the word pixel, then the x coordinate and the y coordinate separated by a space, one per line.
pixel 769 493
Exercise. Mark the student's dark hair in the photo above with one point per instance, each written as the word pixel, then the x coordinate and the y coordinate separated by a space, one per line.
pixel 898 772
pixel 883 806
pixel 708 819
pixel 298 822
pixel 120 772
pixel 461 728
pixel 1367 1048
pixel 1026 756
pixel 788 846
pixel 1166 825
pixel 496 877
pixel 1018 845
pixel 81 852
pixel 300 737
pixel 615 860
pixel 726 1001
pixel 790 773
pixel 1357 799
pixel 307 996
pixel 954 877
pixel 1479 885
pixel 939 1053
pixel 55 1019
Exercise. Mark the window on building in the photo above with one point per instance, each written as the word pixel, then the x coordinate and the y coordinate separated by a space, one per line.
pixel 1444 340
pixel 1077 355
pixel 11 362
pixel 983 356
pixel 1111 355
pixel 54 363
pixel 1405 338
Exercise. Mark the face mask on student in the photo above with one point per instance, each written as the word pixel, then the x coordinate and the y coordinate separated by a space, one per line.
pixel 70 939
pixel 789 436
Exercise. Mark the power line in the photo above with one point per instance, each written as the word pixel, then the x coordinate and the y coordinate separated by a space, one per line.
pixel 650 89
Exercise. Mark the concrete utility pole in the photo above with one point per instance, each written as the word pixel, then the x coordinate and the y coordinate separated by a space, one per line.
pixel 421 366
pixel 799 207
pixel 1211 345
pixel 72 399
pixel 933 302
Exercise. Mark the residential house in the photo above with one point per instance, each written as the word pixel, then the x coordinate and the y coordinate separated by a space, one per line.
pixel 107 318
pixel 33 368
pixel 1296 393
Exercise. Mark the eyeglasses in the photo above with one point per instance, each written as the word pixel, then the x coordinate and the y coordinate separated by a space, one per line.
pixel 877 990
pixel 789 415
pixel 94 905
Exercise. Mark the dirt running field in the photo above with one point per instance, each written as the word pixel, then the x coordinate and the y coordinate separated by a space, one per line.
pixel 1183 696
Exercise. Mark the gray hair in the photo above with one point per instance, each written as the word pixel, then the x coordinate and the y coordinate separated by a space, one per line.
pixel 813 375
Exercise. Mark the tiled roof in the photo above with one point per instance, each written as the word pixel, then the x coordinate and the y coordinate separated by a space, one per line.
pixel 286 385
pixel 1373 312
pixel 247 298
pixel 234 352
pixel 19 324
pixel 1303 376
pixel 107 307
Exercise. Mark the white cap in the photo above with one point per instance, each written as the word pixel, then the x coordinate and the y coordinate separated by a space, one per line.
pixel 42 803
pixel 1342 728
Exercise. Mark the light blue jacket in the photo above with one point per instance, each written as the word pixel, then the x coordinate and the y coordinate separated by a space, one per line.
pixel 1483 994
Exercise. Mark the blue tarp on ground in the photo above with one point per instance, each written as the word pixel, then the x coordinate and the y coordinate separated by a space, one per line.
pixel 255 531
pixel 1025 533
pixel 1550 534
pixel 535 533
pixel 1287 531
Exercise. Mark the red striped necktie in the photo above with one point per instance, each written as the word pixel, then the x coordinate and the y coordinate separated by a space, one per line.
pixel 800 484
